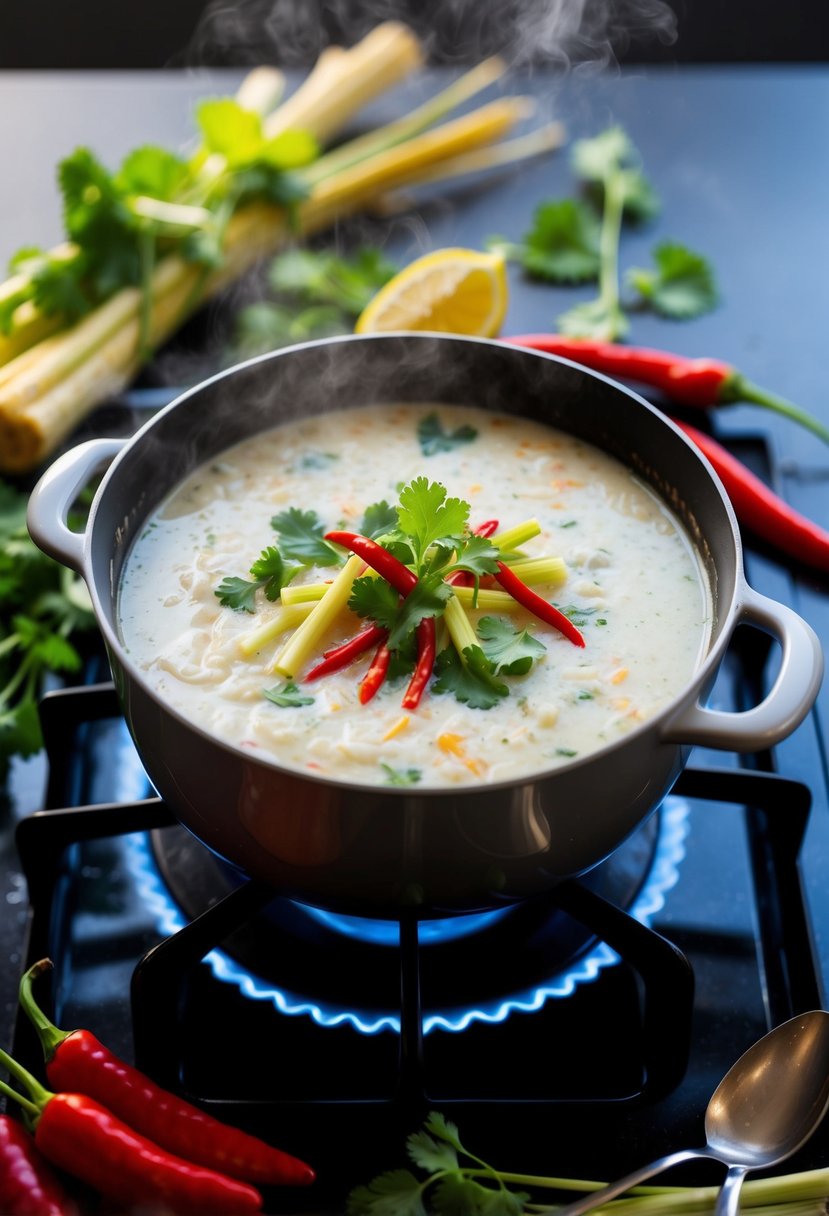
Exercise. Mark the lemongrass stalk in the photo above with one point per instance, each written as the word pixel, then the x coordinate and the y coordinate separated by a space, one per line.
pixel 303 593
pixel 285 617
pixel 344 82
pixel 416 121
pixel 536 143
pixel 487 600
pixel 29 326
pixel 459 625
pixel 261 90
pixel 540 569
pixel 511 538
pixel 302 644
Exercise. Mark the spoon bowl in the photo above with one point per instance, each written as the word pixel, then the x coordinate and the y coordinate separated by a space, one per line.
pixel 765 1108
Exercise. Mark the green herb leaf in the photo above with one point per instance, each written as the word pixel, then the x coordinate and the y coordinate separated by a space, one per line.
pixel 301 537
pixel 563 244
pixel 231 130
pixel 428 517
pixel 511 651
pixel 433 438
pixel 401 776
pixel 287 695
pixel 272 573
pixel 321 277
pixel 459 1196
pixel 478 556
pixel 237 593
pixel 471 679
pixel 611 155
pixel 153 171
pixel 375 598
pixel 681 286
pixel 430 1154
pixel 378 519
pixel 594 319
pixel 444 1129
pixel 427 599
pixel 397 1193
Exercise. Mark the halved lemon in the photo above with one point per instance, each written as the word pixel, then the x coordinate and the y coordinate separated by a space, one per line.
pixel 456 291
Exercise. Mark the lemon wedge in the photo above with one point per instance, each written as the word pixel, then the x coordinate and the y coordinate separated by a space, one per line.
pixel 456 291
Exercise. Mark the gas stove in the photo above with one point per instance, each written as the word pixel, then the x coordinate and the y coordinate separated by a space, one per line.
pixel 581 1033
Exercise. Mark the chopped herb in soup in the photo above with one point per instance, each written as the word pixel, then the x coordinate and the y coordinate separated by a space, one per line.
pixel 452 596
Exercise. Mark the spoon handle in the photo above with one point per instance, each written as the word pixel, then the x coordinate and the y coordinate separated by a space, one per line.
pixel 589 1202
pixel 728 1200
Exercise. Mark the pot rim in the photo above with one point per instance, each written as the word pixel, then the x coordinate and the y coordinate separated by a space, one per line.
pixel 706 667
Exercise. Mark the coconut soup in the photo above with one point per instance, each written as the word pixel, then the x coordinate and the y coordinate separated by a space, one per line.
pixel 204 609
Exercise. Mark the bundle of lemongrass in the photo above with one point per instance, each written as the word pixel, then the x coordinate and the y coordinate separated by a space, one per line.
pixel 53 372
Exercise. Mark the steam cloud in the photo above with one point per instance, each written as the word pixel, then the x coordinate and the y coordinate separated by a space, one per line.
pixel 560 33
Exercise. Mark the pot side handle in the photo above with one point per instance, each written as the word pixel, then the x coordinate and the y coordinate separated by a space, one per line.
pixel 54 494
pixel 788 701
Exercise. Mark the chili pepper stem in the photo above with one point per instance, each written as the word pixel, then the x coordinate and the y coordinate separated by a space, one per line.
pixel 736 388
pixel 50 1035
pixel 31 1108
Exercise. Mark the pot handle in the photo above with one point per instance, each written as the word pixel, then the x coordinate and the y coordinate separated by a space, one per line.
pixel 788 701
pixel 56 491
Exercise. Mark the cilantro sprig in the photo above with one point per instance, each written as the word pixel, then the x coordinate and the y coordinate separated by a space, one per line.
pixel 44 614
pixel 574 241
pixel 270 574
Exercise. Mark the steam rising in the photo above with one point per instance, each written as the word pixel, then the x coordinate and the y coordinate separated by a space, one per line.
pixel 558 33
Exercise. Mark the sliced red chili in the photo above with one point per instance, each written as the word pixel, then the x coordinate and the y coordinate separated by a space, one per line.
pixel 341 656
pixel 536 605
pixel 426 647
pixel 28 1186
pixel 77 1062
pixel 386 564
pixel 757 506
pixel 373 679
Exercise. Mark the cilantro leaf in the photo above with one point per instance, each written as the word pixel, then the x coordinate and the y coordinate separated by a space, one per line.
pixel 401 776
pixel 470 678
pixel 681 286
pixel 427 598
pixel 272 573
pixel 599 318
pixel 511 651
pixel 96 217
pixel 286 695
pixel 374 598
pixel 19 732
pixel 444 1129
pixel 396 1193
pixel 237 593
pixel 427 517
pixel 321 277
pixel 301 537
pixel 610 156
pixel 153 171
pixel 431 1154
pixel 229 129
pixel 563 244
pixel 478 556
pixel 433 438
pixel 378 519
pixel 456 1195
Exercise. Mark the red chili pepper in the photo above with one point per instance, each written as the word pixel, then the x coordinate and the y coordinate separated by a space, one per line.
pixel 386 564
pixel 426 647
pixel 341 656
pixel 27 1185
pixel 376 674
pixel 702 383
pixel 539 607
pixel 761 510
pixel 76 1061
pixel 488 528
pixel 80 1136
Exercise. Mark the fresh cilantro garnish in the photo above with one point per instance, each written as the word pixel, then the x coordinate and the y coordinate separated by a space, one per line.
pixel 313 294
pixel 375 598
pixel 470 677
pixel 511 651
pixel 681 286
pixel 301 537
pixel 401 776
pixel 270 574
pixel 610 161
pixel 378 519
pixel 433 438
pixel 44 610
pixel 427 517
pixel 478 556
pixel 562 246
pixel 580 615
pixel 459 1182
pixel 428 599
pixel 286 695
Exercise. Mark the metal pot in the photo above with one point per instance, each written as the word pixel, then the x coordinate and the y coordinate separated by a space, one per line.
pixel 370 850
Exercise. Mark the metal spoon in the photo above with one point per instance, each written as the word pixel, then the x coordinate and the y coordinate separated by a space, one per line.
pixel 766 1106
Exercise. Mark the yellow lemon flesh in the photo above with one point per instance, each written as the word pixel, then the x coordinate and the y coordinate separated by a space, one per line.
pixel 456 291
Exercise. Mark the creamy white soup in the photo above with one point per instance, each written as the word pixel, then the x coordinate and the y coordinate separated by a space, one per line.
pixel 203 628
